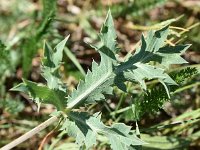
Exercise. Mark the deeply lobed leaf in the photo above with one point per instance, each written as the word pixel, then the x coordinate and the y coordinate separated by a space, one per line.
pixel 85 128
pixel 55 92
pixel 138 67
pixel 98 81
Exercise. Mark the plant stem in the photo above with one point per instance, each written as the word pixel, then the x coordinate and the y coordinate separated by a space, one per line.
pixel 30 133
pixel 186 87
pixel 183 67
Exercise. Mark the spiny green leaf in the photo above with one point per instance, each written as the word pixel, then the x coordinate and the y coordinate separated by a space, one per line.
pixel 108 45
pixel 53 79
pixel 43 94
pixel 20 87
pixel 58 54
pixel 138 67
pixel 47 58
pixel 171 55
pixel 108 35
pixel 85 128
pixel 156 39
pixel 53 58
pixel 99 81
pixel 51 63
pixel 118 134
pixel 55 92
pixel 145 71
pixel 76 127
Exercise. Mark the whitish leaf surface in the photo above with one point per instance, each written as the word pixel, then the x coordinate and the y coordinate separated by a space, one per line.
pixel 171 54
pixel 85 128
pixel 96 84
pixel 138 67
pixel 108 35
pixel 98 81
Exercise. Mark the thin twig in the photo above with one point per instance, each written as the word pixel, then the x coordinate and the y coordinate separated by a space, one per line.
pixel 30 133
pixel 48 135
pixel 45 139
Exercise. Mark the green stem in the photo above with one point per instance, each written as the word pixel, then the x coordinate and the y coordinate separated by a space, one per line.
pixel 183 67
pixel 186 87
pixel 120 110
pixel 120 101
